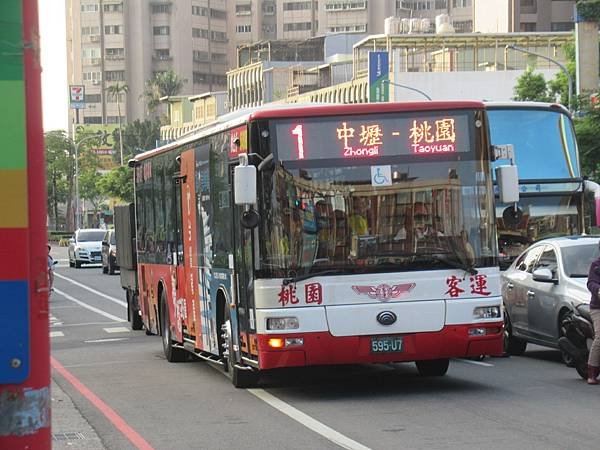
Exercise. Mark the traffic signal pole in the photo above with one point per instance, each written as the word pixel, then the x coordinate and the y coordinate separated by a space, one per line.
pixel 25 346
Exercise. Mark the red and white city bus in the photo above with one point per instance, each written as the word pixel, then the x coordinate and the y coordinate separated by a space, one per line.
pixel 313 235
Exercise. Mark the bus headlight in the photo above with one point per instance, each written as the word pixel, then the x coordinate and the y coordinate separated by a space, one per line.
pixel 282 323
pixel 486 312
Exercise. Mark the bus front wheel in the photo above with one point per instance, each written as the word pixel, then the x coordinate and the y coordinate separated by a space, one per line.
pixel 240 377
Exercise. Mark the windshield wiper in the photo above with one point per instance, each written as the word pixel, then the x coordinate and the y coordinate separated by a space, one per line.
pixel 306 276
pixel 455 263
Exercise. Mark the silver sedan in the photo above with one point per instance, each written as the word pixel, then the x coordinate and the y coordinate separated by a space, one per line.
pixel 546 281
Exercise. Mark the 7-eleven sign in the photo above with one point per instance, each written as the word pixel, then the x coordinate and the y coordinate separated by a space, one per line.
pixel 77 96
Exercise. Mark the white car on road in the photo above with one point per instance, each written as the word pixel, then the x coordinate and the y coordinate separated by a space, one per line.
pixel 85 247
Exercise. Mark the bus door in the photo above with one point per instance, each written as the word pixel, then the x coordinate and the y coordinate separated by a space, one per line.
pixel 198 239
pixel 187 267
pixel 244 241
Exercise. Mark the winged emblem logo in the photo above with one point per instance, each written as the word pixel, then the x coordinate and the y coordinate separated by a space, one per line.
pixel 384 292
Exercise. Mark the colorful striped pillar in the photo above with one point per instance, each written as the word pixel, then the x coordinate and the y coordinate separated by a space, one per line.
pixel 24 342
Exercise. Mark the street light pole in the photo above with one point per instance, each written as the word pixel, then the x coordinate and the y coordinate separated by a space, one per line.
pixel 409 88
pixel 562 67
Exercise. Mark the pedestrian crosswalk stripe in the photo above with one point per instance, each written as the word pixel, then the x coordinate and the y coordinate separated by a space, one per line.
pixel 56 334
pixel 116 330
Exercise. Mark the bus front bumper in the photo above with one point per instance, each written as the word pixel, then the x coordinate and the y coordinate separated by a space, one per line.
pixel 322 348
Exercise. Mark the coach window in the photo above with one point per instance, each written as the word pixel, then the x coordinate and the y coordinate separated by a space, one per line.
pixel 149 240
pixel 159 208
pixel 220 193
pixel 141 229
pixel 204 229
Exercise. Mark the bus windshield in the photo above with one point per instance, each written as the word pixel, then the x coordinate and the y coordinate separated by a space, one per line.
pixel 537 135
pixel 395 210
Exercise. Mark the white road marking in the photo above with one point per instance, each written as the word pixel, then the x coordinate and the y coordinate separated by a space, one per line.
pixel 90 307
pixel 304 419
pixel 96 341
pixel 83 286
pixel 56 334
pixel 85 324
pixel 116 330
pixel 477 363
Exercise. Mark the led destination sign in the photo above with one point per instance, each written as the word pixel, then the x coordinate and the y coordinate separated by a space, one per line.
pixel 372 136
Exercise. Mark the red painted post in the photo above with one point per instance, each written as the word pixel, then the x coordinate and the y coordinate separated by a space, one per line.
pixel 24 373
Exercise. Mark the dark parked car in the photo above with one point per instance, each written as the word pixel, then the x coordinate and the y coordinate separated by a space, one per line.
pixel 546 281
pixel 109 253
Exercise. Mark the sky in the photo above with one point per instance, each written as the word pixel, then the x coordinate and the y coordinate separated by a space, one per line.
pixel 54 64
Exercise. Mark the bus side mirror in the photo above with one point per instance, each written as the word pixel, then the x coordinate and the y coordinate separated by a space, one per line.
pixel 244 185
pixel 508 183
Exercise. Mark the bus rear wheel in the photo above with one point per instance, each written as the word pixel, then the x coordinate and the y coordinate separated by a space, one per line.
pixel 433 367
pixel 173 354
pixel 240 378
pixel 133 312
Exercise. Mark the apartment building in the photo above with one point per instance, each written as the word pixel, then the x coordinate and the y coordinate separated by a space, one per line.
pixel 111 41
pixel 262 20
pixel 494 16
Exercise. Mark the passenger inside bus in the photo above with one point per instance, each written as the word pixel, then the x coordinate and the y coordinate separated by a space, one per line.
pixel 359 225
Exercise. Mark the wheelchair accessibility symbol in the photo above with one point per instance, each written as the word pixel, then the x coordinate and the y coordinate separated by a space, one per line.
pixel 381 175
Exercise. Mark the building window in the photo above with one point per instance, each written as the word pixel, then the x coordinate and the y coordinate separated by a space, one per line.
pixel 199 33
pixel 268 9
pixel 200 56
pixel 113 8
pixel 297 26
pixel 114 119
pixel 204 78
pixel 93 98
pixel 163 54
pixel 243 28
pixel 296 6
pixel 243 10
pixel 89 7
pixel 562 26
pixel 92 52
pixel 348 29
pixel 461 3
pixel 463 26
pixel 113 29
pixel 161 9
pixel 198 11
pixel 218 57
pixel 92 119
pixel 92 76
pixel 161 31
pixel 115 53
pixel 528 26
pixel 345 5
pixel 441 4
pixel 90 31
pixel 218 14
pixel 218 36
pixel 114 75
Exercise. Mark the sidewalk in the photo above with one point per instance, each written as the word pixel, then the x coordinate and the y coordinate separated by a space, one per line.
pixel 70 430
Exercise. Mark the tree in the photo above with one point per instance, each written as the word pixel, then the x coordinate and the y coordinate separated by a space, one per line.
pixel 162 84
pixel 559 86
pixel 59 171
pixel 531 87
pixel 587 129
pixel 138 136
pixel 118 183
pixel 88 170
pixel 115 91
